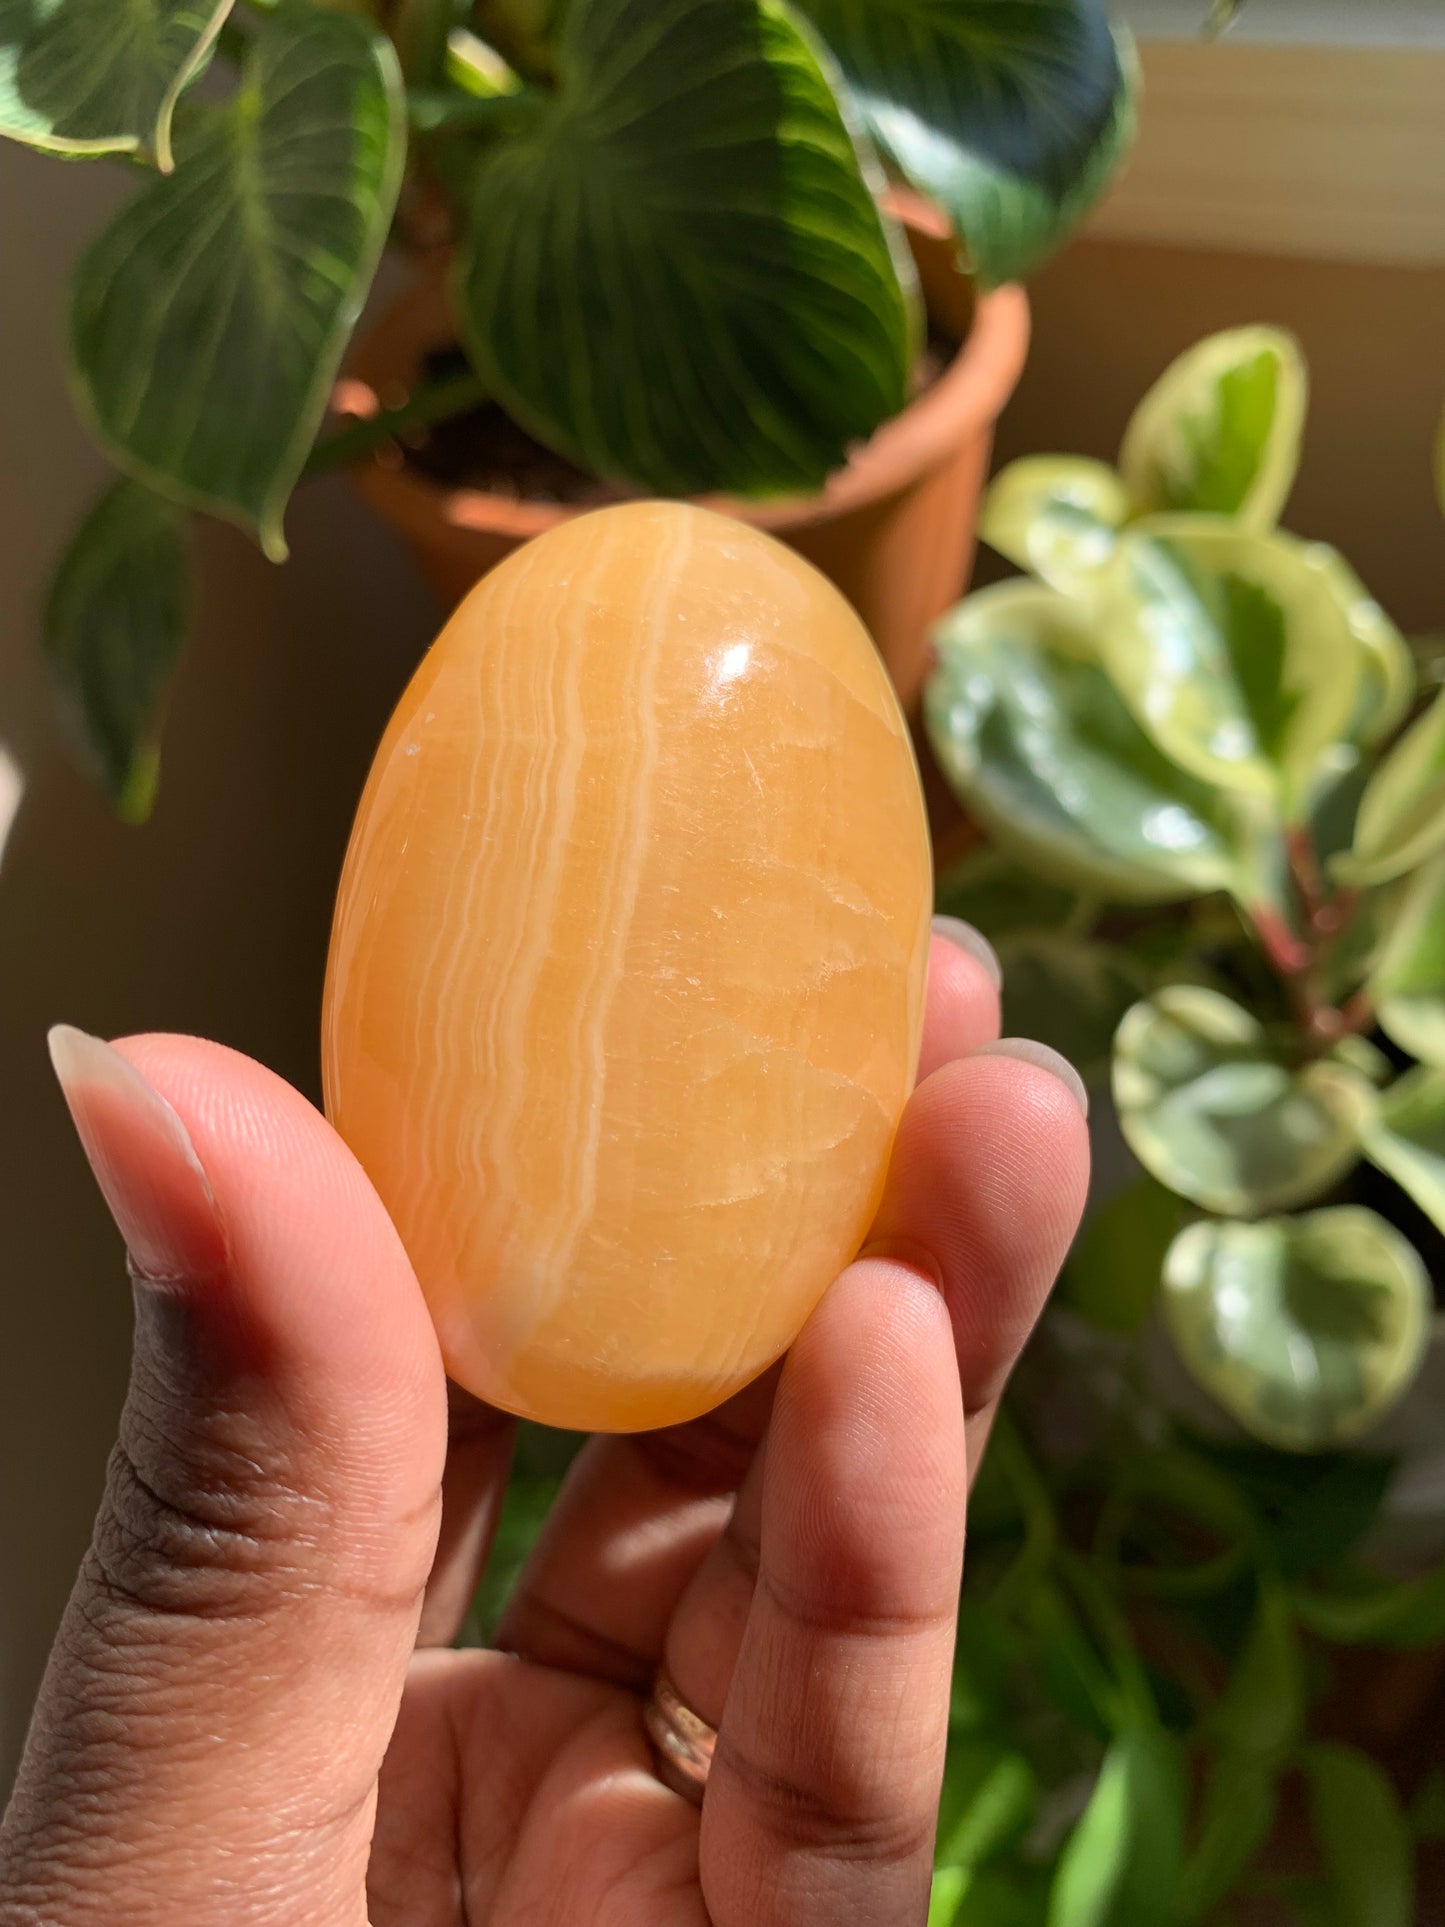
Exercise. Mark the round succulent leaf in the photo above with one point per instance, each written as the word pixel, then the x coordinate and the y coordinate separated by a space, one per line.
pixel 1219 432
pixel 1212 1110
pixel 1408 981
pixel 1057 516
pixel 1401 820
pixel 91 77
pixel 685 286
pixel 1406 1138
pixel 113 630
pixel 1305 1329
pixel 1363 1836
pixel 1068 993
pixel 1012 118
pixel 1387 663
pixel 1033 736
pixel 207 322
pixel 1232 650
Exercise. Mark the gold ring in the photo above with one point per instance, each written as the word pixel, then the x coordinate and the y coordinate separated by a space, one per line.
pixel 681 1739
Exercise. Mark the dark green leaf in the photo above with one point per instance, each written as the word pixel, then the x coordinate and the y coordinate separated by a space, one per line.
pixel 113 631
pixel 1219 432
pixel 998 896
pixel 1408 980
pixel 1263 1707
pixel 208 320
pixel 1406 1137
pixel 1307 1329
pixel 1236 1818
pixel 688 286
pixel 1034 737
pixel 1068 993
pixel 1402 813
pixel 1362 1838
pixel 92 77
pixel 1013 118
pixel 1121 1865
pixel 1427 1812
pixel 1209 1107
pixel 1327 1516
pixel 1400 1613
pixel 1233 651
pixel 1113 1272
pixel 1057 516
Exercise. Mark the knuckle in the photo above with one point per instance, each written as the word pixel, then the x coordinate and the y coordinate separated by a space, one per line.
pixel 826 1815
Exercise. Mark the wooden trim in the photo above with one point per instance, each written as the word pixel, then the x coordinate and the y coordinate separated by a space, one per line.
pixel 1335 153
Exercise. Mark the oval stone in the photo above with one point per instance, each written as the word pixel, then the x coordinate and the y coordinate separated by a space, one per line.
pixel 626 978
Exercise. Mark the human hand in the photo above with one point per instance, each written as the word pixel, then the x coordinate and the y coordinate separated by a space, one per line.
pixel 252 1715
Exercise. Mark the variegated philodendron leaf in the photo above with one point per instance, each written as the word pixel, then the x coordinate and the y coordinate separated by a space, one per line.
pixel 1012 118
pixel 208 321
pixel 1234 651
pixel 1057 516
pixel 686 286
pixel 1036 740
pixel 1306 1329
pixel 1406 1137
pixel 1401 820
pixel 1216 1113
pixel 95 77
pixel 1219 432
pixel 1408 980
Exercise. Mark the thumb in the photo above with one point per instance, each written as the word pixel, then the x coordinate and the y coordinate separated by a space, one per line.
pixel 227 1674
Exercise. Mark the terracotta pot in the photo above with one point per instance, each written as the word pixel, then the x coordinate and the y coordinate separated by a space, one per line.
pixel 894 529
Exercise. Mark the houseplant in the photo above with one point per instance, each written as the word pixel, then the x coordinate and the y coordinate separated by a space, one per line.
pixel 669 263
pixel 1213 775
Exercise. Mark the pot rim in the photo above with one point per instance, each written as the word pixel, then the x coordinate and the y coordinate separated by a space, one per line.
pixel 968 396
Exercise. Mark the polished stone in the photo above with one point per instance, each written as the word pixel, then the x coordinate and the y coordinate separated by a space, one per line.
pixel 626 978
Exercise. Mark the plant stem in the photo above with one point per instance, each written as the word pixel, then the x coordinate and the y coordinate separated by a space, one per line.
pixel 365 432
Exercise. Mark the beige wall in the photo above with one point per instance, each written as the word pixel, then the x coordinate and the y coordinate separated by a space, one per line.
pixel 214 917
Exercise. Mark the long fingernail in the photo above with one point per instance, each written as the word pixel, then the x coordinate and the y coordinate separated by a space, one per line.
pixel 1028 1051
pixel 964 937
pixel 143 1160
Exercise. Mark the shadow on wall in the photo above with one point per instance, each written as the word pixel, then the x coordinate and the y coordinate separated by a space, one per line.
pixel 214 917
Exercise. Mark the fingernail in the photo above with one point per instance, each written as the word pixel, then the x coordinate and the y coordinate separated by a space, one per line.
pixel 964 937
pixel 143 1160
pixel 1028 1051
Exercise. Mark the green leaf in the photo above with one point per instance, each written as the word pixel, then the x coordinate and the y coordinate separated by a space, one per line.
pixel 1209 1107
pixel 91 77
pixel 1220 429
pixel 1363 1838
pixel 1068 993
pixel 1387 665
pixel 1012 118
pixel 1262 1711
pixel 1408 1613
pixel 989 1797
pixel 208 320
pixel 1307 1329
pixel 1121 1864
pixel 686 285
pixel 998 896
pixel 113 631
pixel 1033 736
pixel 1406 1138
pixel 1408 981
pixel 1113 1272
pixel 1427 1813
pixel 949 1884
pixel 1402 813
pixel 1236 1819
pixel 1233 650
pixel 1409 976
pixel 1057 516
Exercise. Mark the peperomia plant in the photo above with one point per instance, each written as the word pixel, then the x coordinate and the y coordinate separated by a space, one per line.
pixel 668 261
pixel 1194 729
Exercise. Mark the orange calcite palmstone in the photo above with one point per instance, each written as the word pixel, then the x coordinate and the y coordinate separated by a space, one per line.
pixel 626 978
